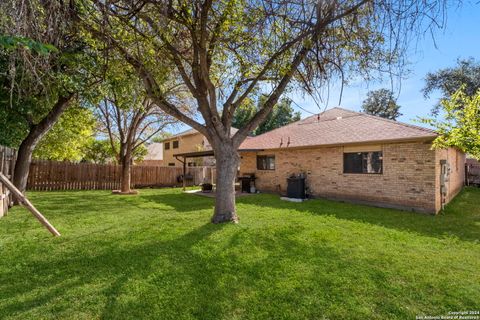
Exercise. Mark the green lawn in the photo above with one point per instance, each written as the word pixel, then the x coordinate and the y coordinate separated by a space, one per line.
pixel 155 255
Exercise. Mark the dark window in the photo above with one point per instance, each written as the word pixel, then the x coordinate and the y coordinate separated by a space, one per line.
pixel 171 164
pixel 266 162
pixel 175 144
pixel 167 145
pixel 363 162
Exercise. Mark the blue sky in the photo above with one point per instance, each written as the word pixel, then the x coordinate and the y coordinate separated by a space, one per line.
pixel 460 39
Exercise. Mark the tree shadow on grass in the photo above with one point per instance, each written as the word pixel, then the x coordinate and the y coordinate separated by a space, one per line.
pixel 189 276
pixel 55 280
pixel 180 202
pixel 460 219
pixel 208 271
pixel 195 275
pixel 75 202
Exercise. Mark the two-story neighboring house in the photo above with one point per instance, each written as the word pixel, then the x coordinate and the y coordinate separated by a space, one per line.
pixel 184 142
pixel 154 156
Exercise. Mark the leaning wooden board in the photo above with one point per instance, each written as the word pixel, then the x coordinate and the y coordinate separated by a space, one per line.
pixel 23 200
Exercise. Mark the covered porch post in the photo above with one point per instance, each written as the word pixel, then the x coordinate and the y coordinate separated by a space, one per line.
pixel 184 163
pixel 184 180
pixel 197 154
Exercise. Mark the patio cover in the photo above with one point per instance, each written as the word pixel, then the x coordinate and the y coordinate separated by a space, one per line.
pixel 198 154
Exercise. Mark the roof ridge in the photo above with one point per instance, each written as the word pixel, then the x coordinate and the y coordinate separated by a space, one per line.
pixel 301 121
pixel 388 120
pixel 187 132
pixel 289 124
pixel 398 122
pixel 345 109
pixel 184 132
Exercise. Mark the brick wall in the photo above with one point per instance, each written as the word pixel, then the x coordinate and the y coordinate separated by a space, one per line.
pixel 409 178
pixel 456 162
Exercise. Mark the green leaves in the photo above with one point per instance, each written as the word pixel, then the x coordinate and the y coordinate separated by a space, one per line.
pixel 281 115
pixel 69 137
pixel 449 80
pixel 460 127
pixel 15 42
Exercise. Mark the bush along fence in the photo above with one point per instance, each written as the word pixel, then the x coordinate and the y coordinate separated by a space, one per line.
pixel 7 164
pixel 52 175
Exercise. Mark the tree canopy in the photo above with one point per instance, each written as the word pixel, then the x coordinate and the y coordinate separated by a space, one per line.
pixel 281 115
pixel 46 67
pixel 128 117
pixel 100 151
pixel 465 75
pixel 381 103
pixel 69 137
pixel 460 125
pixel 236 46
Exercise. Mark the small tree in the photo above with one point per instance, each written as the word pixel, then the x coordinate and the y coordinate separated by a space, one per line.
pixel 381 103
pixel 460 126
pixel 129 119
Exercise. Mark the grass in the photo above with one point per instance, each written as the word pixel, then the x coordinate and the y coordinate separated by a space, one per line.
pixel 155 255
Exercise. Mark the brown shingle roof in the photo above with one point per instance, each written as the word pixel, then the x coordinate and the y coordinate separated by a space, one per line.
pixel 337 126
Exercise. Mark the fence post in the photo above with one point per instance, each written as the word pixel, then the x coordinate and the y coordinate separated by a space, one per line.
pixel 3 200
pixel 7 165
pixel 466 174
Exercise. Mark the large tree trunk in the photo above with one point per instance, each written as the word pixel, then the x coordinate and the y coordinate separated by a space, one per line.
pixel 126 162
pixel 22 164
pixel 227 160
pixel 36 133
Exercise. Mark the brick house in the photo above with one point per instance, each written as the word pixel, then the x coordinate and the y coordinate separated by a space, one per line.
pixel 353 156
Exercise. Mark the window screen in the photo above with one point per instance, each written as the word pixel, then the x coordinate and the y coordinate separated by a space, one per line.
pixel 363 162
pixel 266 162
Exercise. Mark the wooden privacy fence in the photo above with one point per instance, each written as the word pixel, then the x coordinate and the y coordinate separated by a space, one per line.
pixel 472 173
pixel 7 164
pixel 53 175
